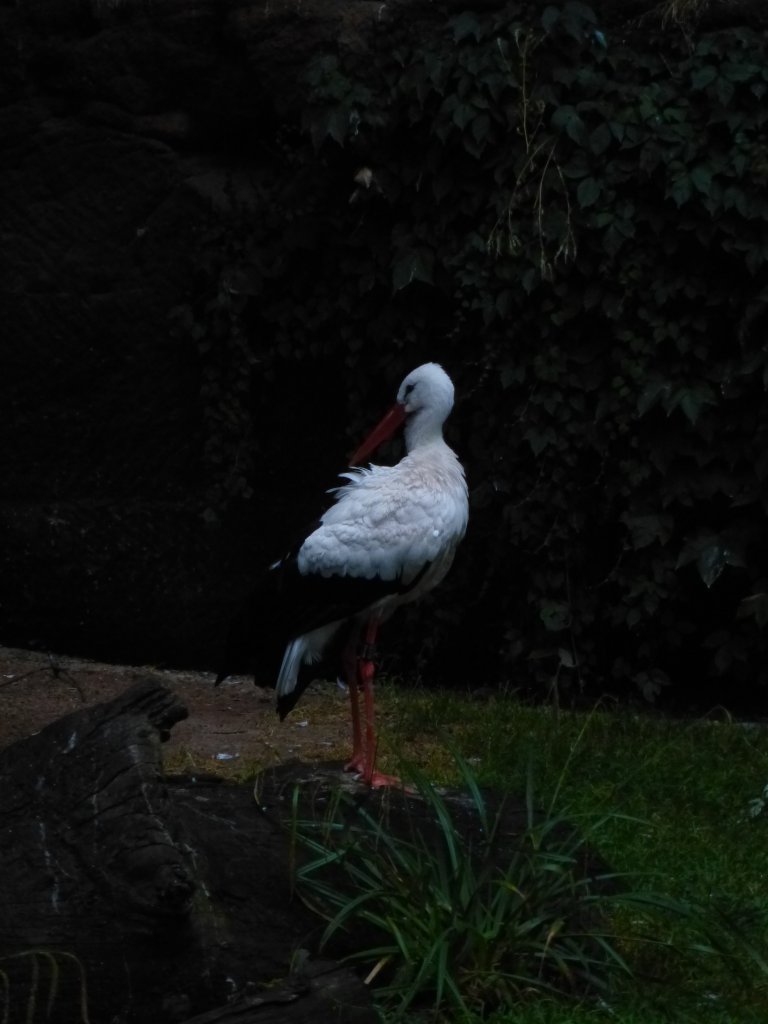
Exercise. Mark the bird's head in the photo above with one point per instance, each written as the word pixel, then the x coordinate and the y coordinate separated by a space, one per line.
pixel 427 387
pixel 426 394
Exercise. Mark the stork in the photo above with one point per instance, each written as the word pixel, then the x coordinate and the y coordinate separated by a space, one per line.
pixel 389 537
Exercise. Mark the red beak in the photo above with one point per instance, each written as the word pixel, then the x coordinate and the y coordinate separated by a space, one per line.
pixel 380 433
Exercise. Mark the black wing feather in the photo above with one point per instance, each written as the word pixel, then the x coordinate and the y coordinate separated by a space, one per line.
pixel 286 604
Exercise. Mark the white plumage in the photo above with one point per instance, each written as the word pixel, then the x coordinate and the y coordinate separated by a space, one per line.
pixel 390 536
pixel 389 521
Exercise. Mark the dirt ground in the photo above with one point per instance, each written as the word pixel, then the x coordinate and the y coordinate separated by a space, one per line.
pixel 230 727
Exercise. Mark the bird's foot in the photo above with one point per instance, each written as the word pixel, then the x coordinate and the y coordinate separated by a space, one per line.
pixel 378 780
pixel 356 763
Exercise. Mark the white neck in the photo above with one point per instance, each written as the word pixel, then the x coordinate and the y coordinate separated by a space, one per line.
pixel 422 428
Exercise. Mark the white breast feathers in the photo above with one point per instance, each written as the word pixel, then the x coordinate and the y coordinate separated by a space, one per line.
pixel 390 521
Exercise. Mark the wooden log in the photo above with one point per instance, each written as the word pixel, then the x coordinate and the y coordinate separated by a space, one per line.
pixel 143 898
pixel 85 821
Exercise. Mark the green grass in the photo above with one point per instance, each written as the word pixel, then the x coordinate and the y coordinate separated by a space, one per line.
pixel 460 926
pixel 673 801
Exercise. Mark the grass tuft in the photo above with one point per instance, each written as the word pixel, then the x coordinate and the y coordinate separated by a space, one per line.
pixel 669 805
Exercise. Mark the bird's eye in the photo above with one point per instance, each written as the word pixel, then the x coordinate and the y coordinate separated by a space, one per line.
pixel 408 389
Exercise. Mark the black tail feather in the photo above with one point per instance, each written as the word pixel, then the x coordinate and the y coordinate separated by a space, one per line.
pixel 285 605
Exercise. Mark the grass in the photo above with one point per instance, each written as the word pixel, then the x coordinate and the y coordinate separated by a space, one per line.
pixel 461 925
pixel 673 800
pixel 691 783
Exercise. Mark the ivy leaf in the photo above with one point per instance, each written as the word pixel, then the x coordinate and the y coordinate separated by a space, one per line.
pixel 735 198
pixel 463 114
pixel 650 156
pixel 550 18
pixel 567 659
pixel 464 25
pixel 648 528
pixel 600 139
pixel 576 16
pixel 710 564
pixel 539 439
pixel 724 90
pixel 329 121
pixel 703 76
pixel 413 266
pixel 613 239
pixel 651 683
pixel 740 72
pixel 680 189
pixel 567 119
pixel 701 178
pixel 436 70
pixel 711 554
pixel 692 399
pixel 651 393
pixel 577 166
pixel 555 615
pixel 588 192
pixel 530 279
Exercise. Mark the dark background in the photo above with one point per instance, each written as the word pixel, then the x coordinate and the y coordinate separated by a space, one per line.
pixel 191 346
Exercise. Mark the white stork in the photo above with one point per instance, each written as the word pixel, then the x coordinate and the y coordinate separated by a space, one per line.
pixel 389 537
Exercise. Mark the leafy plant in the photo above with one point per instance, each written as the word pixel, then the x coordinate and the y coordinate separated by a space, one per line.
pixel 572 218
pixel 459 915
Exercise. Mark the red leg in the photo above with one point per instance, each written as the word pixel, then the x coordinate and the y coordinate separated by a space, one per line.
pixel 349 665
pixel 366 671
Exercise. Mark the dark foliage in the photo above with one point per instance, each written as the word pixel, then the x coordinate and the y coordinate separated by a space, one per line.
pixel 575 225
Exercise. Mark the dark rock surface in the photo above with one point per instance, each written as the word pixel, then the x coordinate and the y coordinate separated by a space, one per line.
pixel 150 898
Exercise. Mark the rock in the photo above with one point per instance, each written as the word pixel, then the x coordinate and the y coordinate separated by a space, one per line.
pixel 148 898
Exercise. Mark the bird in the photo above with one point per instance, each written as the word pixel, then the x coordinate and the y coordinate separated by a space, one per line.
pixel 388 537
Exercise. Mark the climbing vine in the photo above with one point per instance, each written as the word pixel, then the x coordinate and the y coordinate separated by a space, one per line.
pixel 575 222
